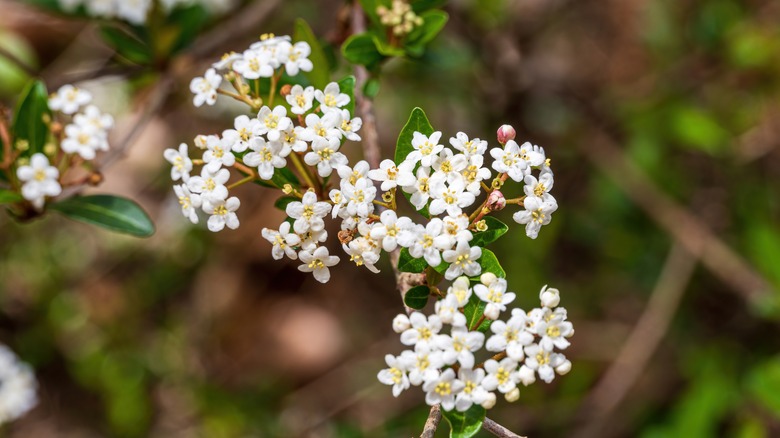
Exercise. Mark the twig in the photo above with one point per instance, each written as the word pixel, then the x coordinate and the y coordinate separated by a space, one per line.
pixel 641 344
pixel 242 22
pixel 18 62
pixel 498 430
pixel 434 417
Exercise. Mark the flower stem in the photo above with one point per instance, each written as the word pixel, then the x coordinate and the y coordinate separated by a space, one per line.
pixel 302 170
pixel 250 178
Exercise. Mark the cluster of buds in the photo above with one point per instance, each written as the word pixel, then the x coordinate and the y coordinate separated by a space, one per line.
pixel 399 17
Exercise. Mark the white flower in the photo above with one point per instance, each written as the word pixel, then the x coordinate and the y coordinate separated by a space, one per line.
pixel 545 363
pixel 227 60
pixel 423 364
pixel 395 375
pixel 500 375
pixel 102 123
pixel 325 127
pixel 526 375
pixel 450 196
pixel 421 190
pixel 461 290
pixel 245 130
pixel 456 229
pixel 223 213
pixel 533 155
pixel 291 140
pixel 554 329
pixel 447 163
pixel 189 202
pixel 443 389
pixel 331 98
pixel 493 291
pixel 300 99
pixel 254 64
pixel 266 156
pixel 549 297
pixel 448 311
pixel 273 122
pixel 401 323
pixel 510 336
pixel 68 99
pixel 324 154
pixel 473 392
pixel 389 228
pixel 351 175
pixel 218 154
pixel 474 174
pixel 205 88
pixel 283 241
pixel 318 262
pixel 17 387
pixel 538 212
pixel 363 252
pixel 308 214
pixel 538 188
pixel 296 58
pixel 180 160
pixel 311 239
pixel 350 127
pixel 390 177
pixel 40 180
pixel 470 148
pixel 84 140
pixel 359 197
pixel 211 186
pixel 460 346
pixel 463 260
pixel 134 11
pixel 423 331
pixel 426 149
pixel 422 245
pixel 509 161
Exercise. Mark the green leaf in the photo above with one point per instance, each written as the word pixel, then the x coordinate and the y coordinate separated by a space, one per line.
pixel 423 5
pixel 319 76
pixel 129 46
pixel 496 229
pixel 360 49
pixel 282 202
pixel 386 49
pixel 371 89
pixel 763 384
pixel 489 263
pixel 418 122
pixel 417 297
pixel 111 212
pixel 29 124
pixel 434 22
pixel 465 424
pixel 473 310
pixel 189 21
pixel 9 197
pixel 347 85
pixel 369 6
pixel 407 263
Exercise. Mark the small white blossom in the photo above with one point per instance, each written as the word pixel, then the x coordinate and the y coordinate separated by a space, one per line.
pixel 460 346
pixel 470 148
pixel 317 263
pixel 324 128
pixel 359 197
pixel 350 126
pixel 538 212
pixel 218 154
pixel 39 180
pixel 189 202
pixel 223 213
pixel 443 389
pixel 205 88
pixel 493 291
pixel 448 311
pixel 389 229
pixel 331 98
pixel 554 329
pixel 308 213
pixel 273 122
pixel 501 375
pixel 423 331
pixel 510 336
pixel 325 155
pixel 545 362
pixel 550 298
pixel 508 160
pixel 450 196
pixel 423 364
pixel 461 290
pixel 395 375
pixel 422 244
pixel 266 156
pixel 401 323
pixel 68 99
pixel 388 174
pixel 283 241
pixel 84 140
pixel 245 130
pixel 211 186
pixel 254 64
pixel 181 162
pixel 463 260
pixel 17 387
pixel 473 393
pixel 426 148
pixel 300 99
pixel 296 57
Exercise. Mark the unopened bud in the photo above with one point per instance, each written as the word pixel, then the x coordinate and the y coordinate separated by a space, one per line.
pixel 488 278
pixel 563 368
pixel 490 401
pixel 50 149
pixel 496 201
pixel 56 128
pixel 285 90
pixel 550 297
pixel 95 178
pixel 401 323
pixel 506 133
pixel 492 312
pixel 201 141
pixel 527 375
pixel 512 396
pixel 22 145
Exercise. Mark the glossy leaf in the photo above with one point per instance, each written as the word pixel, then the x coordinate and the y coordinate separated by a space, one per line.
pixel 127 45
pixel 407 263
pixel 465 424
pixel 361 49
pixel 111 212
pixel 496 229
pixel 347 86
pixel 434 22
pixel 418 122
pixel 417 297
pixel 9 197
pixel 386 49
pixel 319 77
pixel 489 263
pixel 29 123
pixel 473 310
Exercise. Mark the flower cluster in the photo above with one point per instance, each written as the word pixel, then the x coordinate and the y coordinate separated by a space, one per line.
pixel 17 387
pixel 399 17
pixel 136 11
pixel 80 131
pixel 444 364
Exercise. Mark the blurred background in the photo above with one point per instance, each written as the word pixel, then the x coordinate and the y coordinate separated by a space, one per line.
pixel 662 119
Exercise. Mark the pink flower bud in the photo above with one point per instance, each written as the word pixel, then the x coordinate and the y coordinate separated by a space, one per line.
pixel 506 133
pixel 496 201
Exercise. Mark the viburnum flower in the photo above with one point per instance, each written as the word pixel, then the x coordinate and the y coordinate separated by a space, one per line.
pixel 39 180
pixel 223 213
pixel 300 99
pixel 297 58
pixel 325 155
pixel 474 173
pixel 350 127
pixel 217 155
pixel 351 175
pixel 549 297
pixel 388 174
pixel 401 323
pixel 273 122
pixel 509 161
pixel 463 260
pixel 461 290
pixel 283 241
pixel 205 88
pixel 189 202
pixel 510 336
pixel 460 346
pixel 554 329
pixel 426 148
pixel 363 252
pixel 472 393
pixel 17 387
pixel 447 163
pixel 359 197
pixel 538 187
pixel 92 116
pixel 470 148
pixel 211 186
pixel 421 242
pixel 310 240
pixel 448 311
pixel 388 229
pixel 533 155
pixel 317 263
pixel 456 229
pixel 421 190
pixel 500 375
pixel 308 213
pixel 266 156
pixel 68 99
pixel 254 64
pixel 492 290
pixel 423 363
pixel 538 212
pixel 443 389
pixel 325 127
pixel 291 139
pixel 395 375
pixel 245 130
pixel 450 195
pixel 84 140
pixel 544 362
pixel 423 330
pixel 331 98
pixel 180 161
